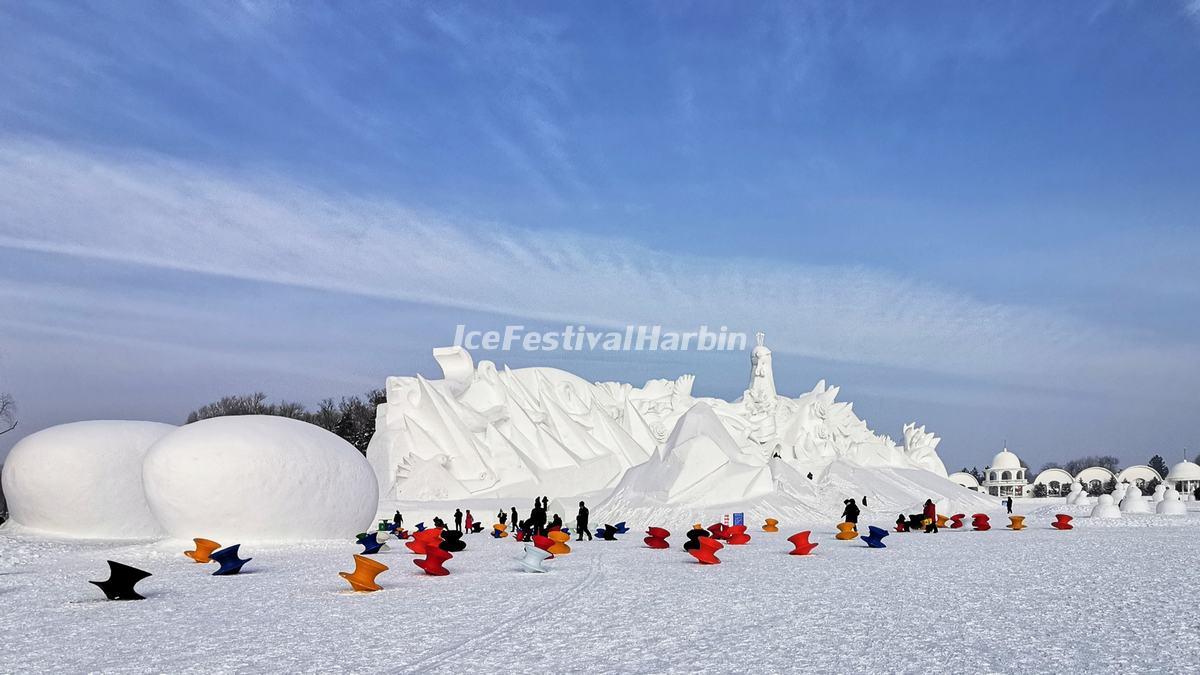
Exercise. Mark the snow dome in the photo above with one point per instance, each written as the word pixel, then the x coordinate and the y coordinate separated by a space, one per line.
pixel 1006 460
pixel 83 479
pixel 259 477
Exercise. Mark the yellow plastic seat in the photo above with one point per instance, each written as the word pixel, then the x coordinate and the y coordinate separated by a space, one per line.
pixel 771 525
pixel 942 520
pixel 846 531
pixel 204 548
pixel 363 576
pixel 1017 522
pixel 560 540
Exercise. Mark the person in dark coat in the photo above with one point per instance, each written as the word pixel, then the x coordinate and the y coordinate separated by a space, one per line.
pixel 439 523
pixel 581 522
pixel 397 519
pixel 555 523
pixel 864 501
pixel 537 517
pixel 501 517
pixel 1008 504
pixel 902 524
pixel 850 514
pixel 458 519
pixel 515 521
pixel 930 513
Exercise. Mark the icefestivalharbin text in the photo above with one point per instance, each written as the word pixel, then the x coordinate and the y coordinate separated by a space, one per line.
pixel 578 338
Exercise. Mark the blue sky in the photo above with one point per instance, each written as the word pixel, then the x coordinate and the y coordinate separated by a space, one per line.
pixel 982 218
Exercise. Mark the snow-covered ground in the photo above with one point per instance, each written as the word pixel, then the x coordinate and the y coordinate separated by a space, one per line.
pixel 1100 599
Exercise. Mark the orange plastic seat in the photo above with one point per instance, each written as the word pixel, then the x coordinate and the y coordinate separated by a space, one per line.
pixel 204 549
pixel 846 532
pixel 560 539
pixel 802 545
pixel 363 576
pixel 771 525
pixel 500 530
pixel 941 520
pixel 1016 522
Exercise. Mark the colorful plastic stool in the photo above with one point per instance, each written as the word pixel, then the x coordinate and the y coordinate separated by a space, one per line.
pixel 499 531
pixel 424 539
pixel 370 543
pixel 956 520
pixel 1016 522
pixel 621 528
pixel 979 521
pixel 363 577
pixel 230 562
pixel 607 533
pixel 452 541
pixel 693 538
pixel 706 553
pixel 1062 522
pixel 771 525
pixel 846 532
pixel 802 545
pixel 433 560
pixel 120 582
pixel 204 549
pixel 421 526
pixel 560 539
pixel 657 538
pixel 875 536
pixel 719 531
pixel 533 559
pixel 941 521
pixel 736 536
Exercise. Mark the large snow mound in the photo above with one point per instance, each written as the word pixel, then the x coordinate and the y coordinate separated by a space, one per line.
pixel 259 478
pixel 83 479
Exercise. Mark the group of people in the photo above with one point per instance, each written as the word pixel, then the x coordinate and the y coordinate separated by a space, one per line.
pixel 538 521
pixel 903 523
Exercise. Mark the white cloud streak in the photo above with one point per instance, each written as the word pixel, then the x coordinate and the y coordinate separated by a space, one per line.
pixel 147 210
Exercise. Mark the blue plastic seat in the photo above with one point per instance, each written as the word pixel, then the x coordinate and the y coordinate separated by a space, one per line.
pixel 229 560
pixel 370 543
pixel 875 537
pixel 621 529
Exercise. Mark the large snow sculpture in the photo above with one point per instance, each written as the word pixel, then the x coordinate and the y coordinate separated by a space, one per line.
pixel 1134 501
pixel 83 479
pixel 1170 504
pixel 1106 508
pixel 258 477
pixel 484 432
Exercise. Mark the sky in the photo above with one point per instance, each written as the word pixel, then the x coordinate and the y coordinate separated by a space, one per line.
pixel 984 218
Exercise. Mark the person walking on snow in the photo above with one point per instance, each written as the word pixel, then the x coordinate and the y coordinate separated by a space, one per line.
pixel 930 516
pixel 850 514
pixel 516 522
pixel 1008 504
pixel 502 516
pixel 581 522
pixel 470 520
pixel 397 519
pixel 458 519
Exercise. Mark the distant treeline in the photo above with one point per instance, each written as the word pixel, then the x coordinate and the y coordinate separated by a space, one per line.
pixel 352 417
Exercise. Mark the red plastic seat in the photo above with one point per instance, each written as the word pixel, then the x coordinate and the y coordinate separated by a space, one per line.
pixel 1062 522
pixel 424 540
pixel 956 520
pixel 543 543
pixel 706 554
pixel 802 544
pixel 736 535
pixel 432 563
pixel 979 521
pixel 657 538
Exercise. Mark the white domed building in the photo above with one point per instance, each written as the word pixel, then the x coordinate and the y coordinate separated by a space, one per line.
pixel 1185 478
pixel 965 479
pixel 1005 477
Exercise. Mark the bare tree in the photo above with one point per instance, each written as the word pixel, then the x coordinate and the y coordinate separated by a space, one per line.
pixel 8 413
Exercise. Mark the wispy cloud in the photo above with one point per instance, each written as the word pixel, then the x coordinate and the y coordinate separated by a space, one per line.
pixel 148 210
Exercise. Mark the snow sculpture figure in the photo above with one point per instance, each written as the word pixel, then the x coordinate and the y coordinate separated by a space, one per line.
pixel 1134 501
pixel 1106 508
pixel 1170 504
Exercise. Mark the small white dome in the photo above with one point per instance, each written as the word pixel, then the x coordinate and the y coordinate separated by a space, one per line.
pixel 1184 470
pixel 1005 460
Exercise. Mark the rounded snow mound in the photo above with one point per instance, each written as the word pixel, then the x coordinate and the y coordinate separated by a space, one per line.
pixel 83 479
pixel 259 478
